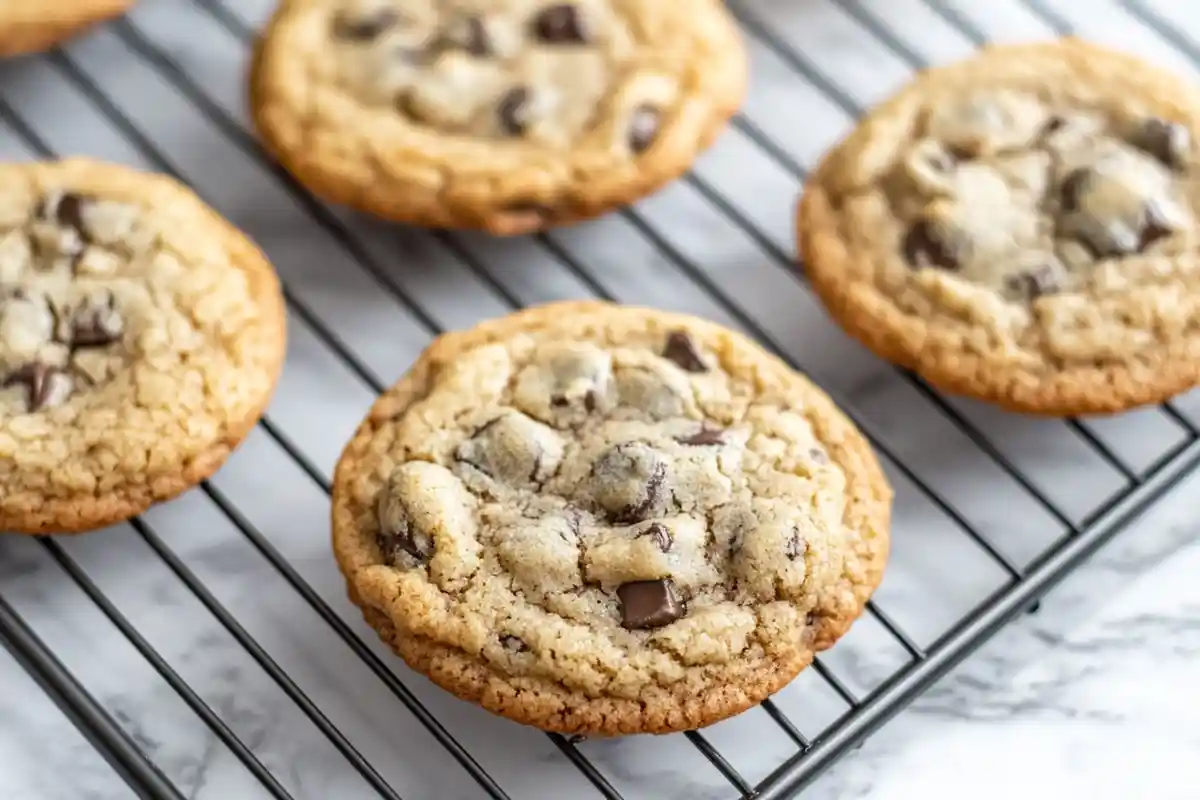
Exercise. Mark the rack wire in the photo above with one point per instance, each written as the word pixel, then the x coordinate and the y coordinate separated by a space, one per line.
pixel 141 81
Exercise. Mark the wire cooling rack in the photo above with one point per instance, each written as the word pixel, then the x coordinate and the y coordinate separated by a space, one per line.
pixel 992 510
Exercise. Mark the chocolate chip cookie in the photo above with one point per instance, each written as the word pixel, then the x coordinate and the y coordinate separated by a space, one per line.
pixel 503 115
pixel 140 338
pixel 607 520
pixel 30 26
pixel 1021 227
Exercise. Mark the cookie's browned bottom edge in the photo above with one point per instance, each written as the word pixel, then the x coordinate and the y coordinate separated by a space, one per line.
pixel 556 709
pixel 74 516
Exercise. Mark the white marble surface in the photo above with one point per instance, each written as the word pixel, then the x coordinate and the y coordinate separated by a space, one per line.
pixel 1095 696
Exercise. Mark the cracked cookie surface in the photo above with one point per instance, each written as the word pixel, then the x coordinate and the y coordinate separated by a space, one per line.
pixel 1021 227
pixel 605 520
pixel 140 338
pixel 30 26
pixel 505 115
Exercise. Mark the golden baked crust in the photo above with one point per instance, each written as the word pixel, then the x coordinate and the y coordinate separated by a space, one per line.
pixel 502 578
pixel 1102 315
pixel 141 336
pixel 354 140
pixel 30 26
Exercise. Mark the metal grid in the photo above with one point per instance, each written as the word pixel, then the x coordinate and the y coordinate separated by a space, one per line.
pixel 119 78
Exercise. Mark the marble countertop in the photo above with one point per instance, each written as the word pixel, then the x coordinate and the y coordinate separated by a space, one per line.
pixel 1097 695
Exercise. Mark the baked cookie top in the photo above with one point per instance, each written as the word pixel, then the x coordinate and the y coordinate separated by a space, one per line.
pixel 616 505
pixel 1021 226
pixel 138 332
pixel 503 113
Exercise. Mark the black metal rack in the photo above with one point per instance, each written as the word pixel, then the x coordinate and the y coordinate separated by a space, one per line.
pixel 1025 581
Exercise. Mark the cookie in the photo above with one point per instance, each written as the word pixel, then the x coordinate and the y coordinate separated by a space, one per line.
pixel 30 26
pixel 503 115
pixel 606 520
pixel 1021 227
pixel 141 336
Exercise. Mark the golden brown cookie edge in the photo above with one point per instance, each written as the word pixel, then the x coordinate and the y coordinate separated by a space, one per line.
pixel 872 319
pixel 89 513
pixel 29 31
pixel 868 512
pixel 406 202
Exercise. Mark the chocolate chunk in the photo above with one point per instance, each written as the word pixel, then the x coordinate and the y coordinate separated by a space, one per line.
pixel 398 535
pixel 796 546
pixel 704 437
pixel 661 535
pixel 95 323
pixel 513 643
pixel 48 386
pixel 1154 227
pixel 1032 283
pixel 513 449
pixel 1073 188
pixel 649 604
pixel 818 455
pixel 925 245
pixel 364 27
pixel 643 127
pixel 1053 126
pixel 561 24
pixel 1169 142
pixel 681 350
pixel 628 482
pixel 514 110
pixel 69 212
pixel 566 385
pixel 470 33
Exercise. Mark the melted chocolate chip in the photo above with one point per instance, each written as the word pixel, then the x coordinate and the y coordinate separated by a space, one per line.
pixel 924 243
pixel 649 604
pixel 1169 142
pixel 470 33
pixel 661 535
pixel 561 24
pixel 512 449
pixel 514 644
pixel 365 27
pixel 398 534
pixel 704 437
pixel 681 351
pixel 1154 228
pixel 628 482
pixel 513 111
pixel 1053 125
pixel 1073 188
pixel 95 324
pixel 643 127
pixel 1033 283
pixel 69 212
pixel 47 386
pixel 796 546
